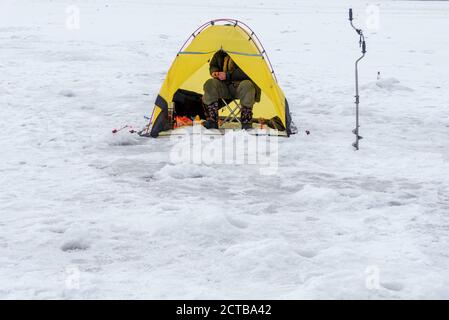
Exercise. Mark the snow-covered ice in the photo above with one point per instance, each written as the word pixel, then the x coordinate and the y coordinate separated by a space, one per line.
pixel 87 214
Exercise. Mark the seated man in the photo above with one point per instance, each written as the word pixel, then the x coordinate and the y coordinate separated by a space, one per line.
pixel 228 82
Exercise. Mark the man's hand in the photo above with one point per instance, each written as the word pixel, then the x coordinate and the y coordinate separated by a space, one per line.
pixel 219 75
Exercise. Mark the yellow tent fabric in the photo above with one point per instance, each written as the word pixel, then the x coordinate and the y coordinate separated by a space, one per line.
pixel 190 70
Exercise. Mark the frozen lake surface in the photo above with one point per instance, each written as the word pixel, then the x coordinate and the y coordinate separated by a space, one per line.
pixel 85 214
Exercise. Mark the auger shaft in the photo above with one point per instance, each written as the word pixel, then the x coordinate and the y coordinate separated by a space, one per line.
pixel 362 44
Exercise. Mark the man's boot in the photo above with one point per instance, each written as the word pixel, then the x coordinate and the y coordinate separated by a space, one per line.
pixel 246 126
pixel 211 116
pixel 246 117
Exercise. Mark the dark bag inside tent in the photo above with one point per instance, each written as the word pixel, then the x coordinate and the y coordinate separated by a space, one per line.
pixel 188 104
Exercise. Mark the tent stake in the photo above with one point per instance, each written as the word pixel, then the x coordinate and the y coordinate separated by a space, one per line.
pixel 362 44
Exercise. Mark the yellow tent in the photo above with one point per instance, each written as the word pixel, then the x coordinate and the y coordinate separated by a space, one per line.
pixel 190 70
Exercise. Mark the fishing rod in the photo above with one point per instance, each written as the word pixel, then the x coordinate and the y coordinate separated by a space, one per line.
pixel 362 45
